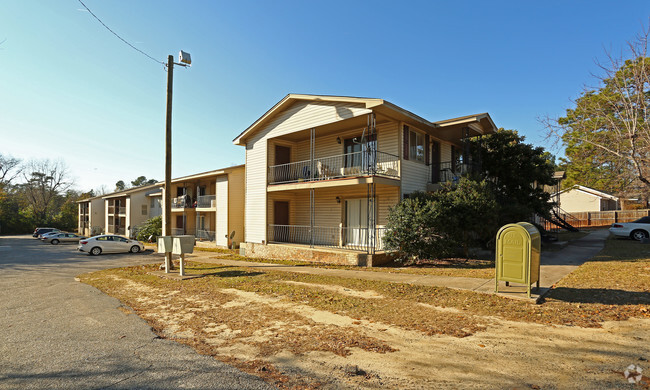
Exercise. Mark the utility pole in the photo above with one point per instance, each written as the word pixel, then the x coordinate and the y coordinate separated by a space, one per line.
pixel 167 229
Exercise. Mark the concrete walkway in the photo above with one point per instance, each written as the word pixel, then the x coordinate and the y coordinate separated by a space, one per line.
pixel 554 266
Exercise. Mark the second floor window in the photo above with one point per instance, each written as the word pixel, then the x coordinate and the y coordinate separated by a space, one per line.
pixel 416 146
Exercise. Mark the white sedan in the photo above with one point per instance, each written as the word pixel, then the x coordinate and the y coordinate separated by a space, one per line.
pixel 636 230
pixel 57 238
pixel 108 243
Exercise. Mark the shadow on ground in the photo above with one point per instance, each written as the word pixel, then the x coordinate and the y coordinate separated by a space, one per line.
pixel 603 296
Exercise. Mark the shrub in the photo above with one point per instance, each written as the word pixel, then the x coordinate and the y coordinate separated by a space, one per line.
pixel 411 231
pixel 426 226
pixel 151 228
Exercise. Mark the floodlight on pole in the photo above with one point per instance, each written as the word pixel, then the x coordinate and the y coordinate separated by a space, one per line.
pixel 185 60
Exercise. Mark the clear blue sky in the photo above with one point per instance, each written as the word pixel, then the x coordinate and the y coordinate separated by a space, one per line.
pixel 69 89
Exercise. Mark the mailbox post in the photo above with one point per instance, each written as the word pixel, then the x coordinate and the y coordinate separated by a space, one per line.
pixel 165 246
pixel 517 255
pixel 180 246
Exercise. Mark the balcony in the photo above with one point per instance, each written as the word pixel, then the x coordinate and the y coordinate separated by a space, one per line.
pixel 115 230
pixel 334 167
pixel 181 202
pixel 448 171
pixel 182 231
pixel 206 201
pixel 205 235
pixel 351 238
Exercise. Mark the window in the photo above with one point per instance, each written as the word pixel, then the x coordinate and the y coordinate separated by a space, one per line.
pixel 144 209
pixel 356 152
pixel 153 202
pixel 416 146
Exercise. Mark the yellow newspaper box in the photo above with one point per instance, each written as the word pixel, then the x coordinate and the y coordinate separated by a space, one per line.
pixel 517 255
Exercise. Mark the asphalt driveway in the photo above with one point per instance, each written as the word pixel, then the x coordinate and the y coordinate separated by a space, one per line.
pixel 59 333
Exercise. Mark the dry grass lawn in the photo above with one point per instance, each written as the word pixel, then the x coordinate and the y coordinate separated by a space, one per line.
pixel 309 331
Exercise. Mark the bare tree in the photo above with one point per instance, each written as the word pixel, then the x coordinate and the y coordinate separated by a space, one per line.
pixel 101 190
pixel 608 131
pixel 10 168
pixel 43 181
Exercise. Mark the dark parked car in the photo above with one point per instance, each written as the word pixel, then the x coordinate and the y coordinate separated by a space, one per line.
pixel 42 230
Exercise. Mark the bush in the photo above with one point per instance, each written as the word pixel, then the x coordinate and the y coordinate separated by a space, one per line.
pixel 151 228
pixel 411 230
pixel 426 226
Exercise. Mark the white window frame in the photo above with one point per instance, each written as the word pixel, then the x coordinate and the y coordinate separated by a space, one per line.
pixel 413 146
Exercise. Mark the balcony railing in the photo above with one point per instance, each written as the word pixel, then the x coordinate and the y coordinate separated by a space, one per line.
pixel 449 172
pixel 181 202
pixel 353 238
pixel 206 201
pixel 122 210
pixel 333 167
pixel 205 235
pixel 115 230
pixel 182 231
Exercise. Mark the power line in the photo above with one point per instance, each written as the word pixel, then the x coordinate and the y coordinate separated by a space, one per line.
pixel 122 39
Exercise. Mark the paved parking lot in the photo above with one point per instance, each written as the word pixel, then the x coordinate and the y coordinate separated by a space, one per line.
pixel 59 333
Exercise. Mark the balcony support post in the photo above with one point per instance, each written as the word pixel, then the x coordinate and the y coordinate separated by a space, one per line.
pixel 371 223
pixel 312 152
pixel 312 216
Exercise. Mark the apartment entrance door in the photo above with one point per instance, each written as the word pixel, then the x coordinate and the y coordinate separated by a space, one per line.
pixel 356 214
pixel 281 221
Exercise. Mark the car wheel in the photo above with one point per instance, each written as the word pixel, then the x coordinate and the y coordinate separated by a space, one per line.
pixel 135 249
pixel 639 234
pixel 55 242
pixel 96 251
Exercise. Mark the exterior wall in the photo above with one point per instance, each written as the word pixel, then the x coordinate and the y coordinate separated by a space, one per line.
pixel 138 208
pixel 237 204
pixel 328 212
pixel 575 201
pixel 415 175
pixel 302 115
pixel 96 221
pixel 222 210
pixel 156 210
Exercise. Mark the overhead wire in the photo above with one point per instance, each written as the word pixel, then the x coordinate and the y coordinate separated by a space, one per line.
pixel 122 39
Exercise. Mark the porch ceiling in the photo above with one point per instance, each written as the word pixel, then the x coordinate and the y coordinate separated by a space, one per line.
pixel 332 129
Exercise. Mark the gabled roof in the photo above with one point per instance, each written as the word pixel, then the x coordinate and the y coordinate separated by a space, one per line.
pixel 589 191
pixel 131 190
pixel 379 105
pixel 201 175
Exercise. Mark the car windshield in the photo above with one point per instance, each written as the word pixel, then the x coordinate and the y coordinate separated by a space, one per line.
pixel 643 220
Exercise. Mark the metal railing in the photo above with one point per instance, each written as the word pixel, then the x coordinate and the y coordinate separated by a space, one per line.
pixel 113 230
pixel 122 210
pixel 353 238
pixel 206 235
pixel 182 231
pixel 448 171
pixel 206 201
pixel 181 202
pixel 333 167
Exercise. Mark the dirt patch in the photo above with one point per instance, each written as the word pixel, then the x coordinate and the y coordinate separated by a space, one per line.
pixel 303 331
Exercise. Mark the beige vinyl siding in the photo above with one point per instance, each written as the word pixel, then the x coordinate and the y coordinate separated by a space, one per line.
pixel 221 228
pixel 328 212
pixel 300 116
pixel 96 214
pixel 445 152
pixel 576 201
pixel 414 175
pixel 256 172
pixel 236 203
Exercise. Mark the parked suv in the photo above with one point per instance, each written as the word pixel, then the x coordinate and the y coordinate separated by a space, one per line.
pixel 42 230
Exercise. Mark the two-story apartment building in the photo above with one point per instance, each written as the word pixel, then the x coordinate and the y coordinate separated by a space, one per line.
pixel 125 210
pixel 91 216
pixel 323 171
pixel 210 206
